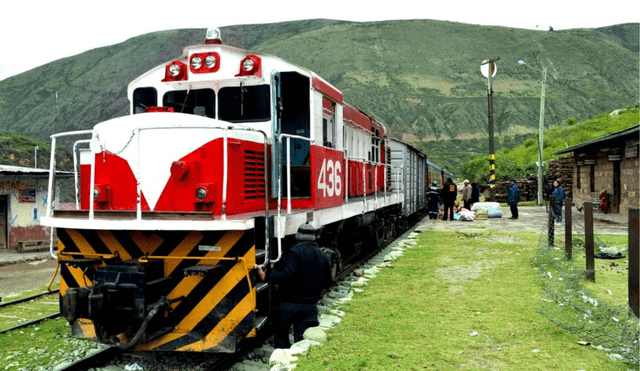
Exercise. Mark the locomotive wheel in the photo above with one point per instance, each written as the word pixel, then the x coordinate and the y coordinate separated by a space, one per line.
pixel 336 264
pixel 391 230
pixel 379 234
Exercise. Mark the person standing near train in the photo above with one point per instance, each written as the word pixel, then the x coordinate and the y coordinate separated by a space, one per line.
pixel 467 192
pixel 433 194
pixel 448 195
pixel 559 196
pixel 475 193
pixel 513 197
pixel 305 273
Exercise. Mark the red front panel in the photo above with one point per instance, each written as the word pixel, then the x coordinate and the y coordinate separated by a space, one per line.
pixel 115 182
pixel 202 168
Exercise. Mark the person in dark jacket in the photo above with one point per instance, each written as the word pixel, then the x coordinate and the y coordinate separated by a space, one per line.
pixel 475 193
pixel 305 273
pixel 558 194
pixel 448 195
pixel 513 197
pixel 433 195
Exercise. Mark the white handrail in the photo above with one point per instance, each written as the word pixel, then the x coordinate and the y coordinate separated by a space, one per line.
pixel 289 137
pixel 278 181
pixel 52 174
pixel 75 168
pixel 49 211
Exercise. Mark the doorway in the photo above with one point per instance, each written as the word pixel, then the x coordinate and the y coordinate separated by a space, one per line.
pixel 616 186
pixel 296 120
pixel 4 222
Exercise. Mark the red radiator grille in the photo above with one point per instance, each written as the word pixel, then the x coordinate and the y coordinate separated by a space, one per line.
pixel 253 174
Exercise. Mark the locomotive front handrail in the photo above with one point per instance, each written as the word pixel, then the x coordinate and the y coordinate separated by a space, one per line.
pixel 75 168
pixel 52 174
pixel 225 175
pixel 136 132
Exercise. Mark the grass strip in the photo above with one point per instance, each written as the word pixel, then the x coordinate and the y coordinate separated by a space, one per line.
pixel 455 301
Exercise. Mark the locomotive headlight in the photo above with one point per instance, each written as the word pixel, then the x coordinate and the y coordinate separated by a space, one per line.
pixel 247 64
pixel 196 62
pixel 210 61
pixel 96 193
pixel 250 66
pixel 174 70
pixel 201 193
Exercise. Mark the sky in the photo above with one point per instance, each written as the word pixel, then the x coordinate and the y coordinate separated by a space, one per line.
pixel 33 33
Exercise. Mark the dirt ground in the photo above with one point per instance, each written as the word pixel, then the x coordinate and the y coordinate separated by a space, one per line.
pixel 37 272
pixel 15 278
pixel 531 219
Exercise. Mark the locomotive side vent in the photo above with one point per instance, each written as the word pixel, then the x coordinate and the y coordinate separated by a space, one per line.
pixel 253 174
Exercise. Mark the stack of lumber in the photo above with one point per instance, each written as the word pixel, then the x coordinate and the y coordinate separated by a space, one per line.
pixel 528 189
pixel 561 169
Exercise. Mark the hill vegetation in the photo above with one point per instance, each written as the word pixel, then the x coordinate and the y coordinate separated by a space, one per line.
pixel 421 77
pixel 21 150
pixel 520 161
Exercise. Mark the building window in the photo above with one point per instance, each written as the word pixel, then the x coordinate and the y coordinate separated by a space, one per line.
pixel 592 178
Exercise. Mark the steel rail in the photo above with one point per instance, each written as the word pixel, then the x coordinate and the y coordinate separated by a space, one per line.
pixel 33 322
pixel 28 298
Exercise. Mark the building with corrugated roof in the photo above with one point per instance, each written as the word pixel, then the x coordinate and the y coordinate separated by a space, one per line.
pixel 607 163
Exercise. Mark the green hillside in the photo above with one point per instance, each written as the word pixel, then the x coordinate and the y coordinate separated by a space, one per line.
pixel 20 150
pixel 421 77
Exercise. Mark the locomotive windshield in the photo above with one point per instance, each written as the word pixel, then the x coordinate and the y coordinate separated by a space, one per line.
pixel 244 103
pixel 198 102
pixel 236 104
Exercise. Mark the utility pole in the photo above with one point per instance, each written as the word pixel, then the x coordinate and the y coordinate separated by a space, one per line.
pixel 540 129
pixel 540 137
pixel 489 69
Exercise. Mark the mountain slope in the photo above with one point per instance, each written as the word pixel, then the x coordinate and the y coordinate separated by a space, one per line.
pixel 421 77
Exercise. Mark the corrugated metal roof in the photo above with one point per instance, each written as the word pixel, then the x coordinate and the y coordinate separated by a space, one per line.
pixel 612 136
pixel 10 171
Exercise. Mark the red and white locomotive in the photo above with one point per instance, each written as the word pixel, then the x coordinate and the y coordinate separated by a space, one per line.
pixel 225 154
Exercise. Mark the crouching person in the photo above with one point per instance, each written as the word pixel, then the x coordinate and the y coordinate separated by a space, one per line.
pixel 305 273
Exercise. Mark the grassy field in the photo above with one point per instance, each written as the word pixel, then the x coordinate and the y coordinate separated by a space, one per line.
pixel 458 301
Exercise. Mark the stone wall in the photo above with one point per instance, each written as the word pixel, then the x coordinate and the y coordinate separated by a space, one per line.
pixel 630 186
pixel 590 179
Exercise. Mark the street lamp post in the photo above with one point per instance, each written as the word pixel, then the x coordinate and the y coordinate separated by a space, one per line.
pixel 489 69
pixel 540 129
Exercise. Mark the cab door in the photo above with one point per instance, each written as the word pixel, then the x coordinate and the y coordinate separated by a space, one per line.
pixel 295 120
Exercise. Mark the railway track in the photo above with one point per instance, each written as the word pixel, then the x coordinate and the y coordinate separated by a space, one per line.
pixel 27 300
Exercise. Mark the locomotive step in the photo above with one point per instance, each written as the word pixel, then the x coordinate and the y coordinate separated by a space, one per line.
pixel 260 322
pixel 261 286
pixel 201 270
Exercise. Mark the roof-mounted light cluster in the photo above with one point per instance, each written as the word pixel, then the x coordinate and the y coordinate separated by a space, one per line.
pixel 204 62
pixel 213 36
